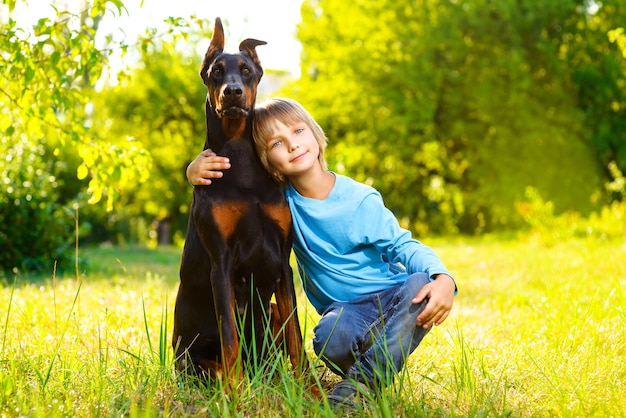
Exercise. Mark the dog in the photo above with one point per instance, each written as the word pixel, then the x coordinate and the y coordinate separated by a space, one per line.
pixel 238 243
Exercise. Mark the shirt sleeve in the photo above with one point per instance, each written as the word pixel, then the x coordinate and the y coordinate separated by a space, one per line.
pixel 374 224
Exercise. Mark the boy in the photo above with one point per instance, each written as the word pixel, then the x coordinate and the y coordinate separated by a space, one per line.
pixel 378 290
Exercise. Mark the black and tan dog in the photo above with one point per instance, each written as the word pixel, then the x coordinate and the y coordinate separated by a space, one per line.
pixel 236 254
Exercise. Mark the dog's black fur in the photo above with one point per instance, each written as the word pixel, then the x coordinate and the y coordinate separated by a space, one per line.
pixel 236 253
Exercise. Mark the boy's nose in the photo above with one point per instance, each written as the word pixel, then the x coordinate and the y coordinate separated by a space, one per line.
pixel 293 145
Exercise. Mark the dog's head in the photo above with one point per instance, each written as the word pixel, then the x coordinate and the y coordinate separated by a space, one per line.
pixel 232 79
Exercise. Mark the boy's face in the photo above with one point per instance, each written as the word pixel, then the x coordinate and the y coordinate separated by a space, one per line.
pixel 293 150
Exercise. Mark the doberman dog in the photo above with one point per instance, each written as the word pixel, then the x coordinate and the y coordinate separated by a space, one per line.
pixel 238 243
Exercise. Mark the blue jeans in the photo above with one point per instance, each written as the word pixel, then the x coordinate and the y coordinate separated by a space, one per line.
pixel 369 338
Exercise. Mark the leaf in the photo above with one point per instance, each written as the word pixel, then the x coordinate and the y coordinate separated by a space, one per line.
pixel 82 172
pixel 29 74
pixel 96 189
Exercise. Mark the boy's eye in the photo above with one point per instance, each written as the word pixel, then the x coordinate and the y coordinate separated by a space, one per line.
pixel 275 144
pixel 299 130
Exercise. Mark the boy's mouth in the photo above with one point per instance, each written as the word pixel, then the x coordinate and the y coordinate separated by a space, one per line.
pixel 297 157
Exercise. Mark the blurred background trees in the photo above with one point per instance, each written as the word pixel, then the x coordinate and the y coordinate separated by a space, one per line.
pixel 51 159
pixel 454 110
pixel 160 104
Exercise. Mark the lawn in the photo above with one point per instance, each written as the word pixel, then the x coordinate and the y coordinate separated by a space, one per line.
pixel 536 330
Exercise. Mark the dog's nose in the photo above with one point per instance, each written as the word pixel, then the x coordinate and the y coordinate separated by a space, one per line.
pixel 233 90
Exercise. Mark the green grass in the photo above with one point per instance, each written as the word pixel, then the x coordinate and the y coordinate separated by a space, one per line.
pixel 535 331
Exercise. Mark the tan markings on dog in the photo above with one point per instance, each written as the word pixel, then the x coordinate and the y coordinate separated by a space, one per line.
pixel 234 128
pixel 250 94
pixel 280 214
pixel 227 216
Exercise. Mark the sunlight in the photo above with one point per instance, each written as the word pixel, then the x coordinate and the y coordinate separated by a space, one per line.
pixel 242 19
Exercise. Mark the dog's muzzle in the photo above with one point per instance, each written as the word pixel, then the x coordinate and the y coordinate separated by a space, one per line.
pixel 232 112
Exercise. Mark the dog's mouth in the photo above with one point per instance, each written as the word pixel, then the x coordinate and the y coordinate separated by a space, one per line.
pixel 233 112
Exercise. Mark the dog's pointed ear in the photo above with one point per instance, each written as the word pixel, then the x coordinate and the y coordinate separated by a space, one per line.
pixel 215 48
pixel 249 46
pixel 217 41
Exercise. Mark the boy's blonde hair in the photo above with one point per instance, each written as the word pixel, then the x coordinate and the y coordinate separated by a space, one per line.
pixel 288 112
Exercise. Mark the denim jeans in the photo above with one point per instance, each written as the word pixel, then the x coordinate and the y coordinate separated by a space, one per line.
pixel 369 338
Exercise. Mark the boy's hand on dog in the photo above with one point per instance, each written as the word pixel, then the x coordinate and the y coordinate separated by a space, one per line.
pixel 440 293
pixel 205 167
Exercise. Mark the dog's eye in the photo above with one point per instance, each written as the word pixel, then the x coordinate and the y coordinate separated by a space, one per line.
pixel 216 72
pixel 245 71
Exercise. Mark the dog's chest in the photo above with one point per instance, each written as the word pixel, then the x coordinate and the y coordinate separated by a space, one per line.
pixel 246 177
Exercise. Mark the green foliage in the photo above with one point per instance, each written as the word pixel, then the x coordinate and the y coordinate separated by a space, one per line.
pixel 550 229
pixel 36 229
pixel 599 72
pixel 619 37
pixel 545 225
pixel 617 186
pixel 49 71
pixel 453 109
pixel 49 98
pixel 362 84
pixel 160 104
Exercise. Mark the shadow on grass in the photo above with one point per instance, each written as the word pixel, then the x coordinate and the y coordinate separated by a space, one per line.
pixel 106 263
pixel 132 261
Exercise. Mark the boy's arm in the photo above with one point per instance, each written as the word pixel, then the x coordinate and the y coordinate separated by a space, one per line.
pixel 205 167
pixel 393 241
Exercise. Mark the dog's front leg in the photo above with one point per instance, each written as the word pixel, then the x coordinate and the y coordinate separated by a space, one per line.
pixel 286 304
pixel 288 312
pixel 224 300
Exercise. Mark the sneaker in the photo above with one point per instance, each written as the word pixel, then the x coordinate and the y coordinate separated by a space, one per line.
pixel 347 393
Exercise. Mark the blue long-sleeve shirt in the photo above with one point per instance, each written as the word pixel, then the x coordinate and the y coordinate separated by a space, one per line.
pixel 350 244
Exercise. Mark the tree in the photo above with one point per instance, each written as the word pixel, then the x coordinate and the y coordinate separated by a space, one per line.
pixel 160 103
pixel 52 152
pixel 452 109
pixel 362 83
pixel 49 70
pixel 598 68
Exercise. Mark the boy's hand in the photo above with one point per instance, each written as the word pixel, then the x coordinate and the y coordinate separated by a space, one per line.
pixel 205 167
pixel 441 296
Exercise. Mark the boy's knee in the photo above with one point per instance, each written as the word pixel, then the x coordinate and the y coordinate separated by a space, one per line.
pixel 332 340
pixel 324 330
pixel 416 281
pixel 335 352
